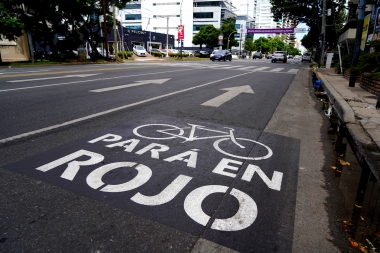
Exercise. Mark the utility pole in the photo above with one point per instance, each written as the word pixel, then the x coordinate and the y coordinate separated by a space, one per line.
pixel 114 31
pixel 180 16
pixel 321 60
pixel 359 31
pixel 105 27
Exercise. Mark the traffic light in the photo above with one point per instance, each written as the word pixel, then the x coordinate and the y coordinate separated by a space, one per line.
pixel 277 16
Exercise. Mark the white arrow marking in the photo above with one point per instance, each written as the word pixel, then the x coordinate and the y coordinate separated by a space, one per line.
pixel 53 77
pixel 230 94
pixel 137 83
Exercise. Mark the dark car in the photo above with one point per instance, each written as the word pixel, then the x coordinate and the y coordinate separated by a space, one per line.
pixel 257 55
pixel 221 55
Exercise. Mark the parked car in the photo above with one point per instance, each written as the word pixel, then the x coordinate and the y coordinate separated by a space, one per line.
pixel 158 50
pixel 335 58
pixel 257 55
pixel 290 56
pixel 279 56
pixel 306 57
pixel 139 50
pixel 190 53
pixel 203 53
pixel 221 55
pixel 297 57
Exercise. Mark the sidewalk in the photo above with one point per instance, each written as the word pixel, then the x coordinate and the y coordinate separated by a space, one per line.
pixel 356 108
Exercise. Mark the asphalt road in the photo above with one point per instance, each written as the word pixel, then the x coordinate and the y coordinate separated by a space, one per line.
pixel 148 157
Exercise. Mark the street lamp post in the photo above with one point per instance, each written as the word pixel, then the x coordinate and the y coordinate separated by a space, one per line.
pixel 180 16
pixel 228 43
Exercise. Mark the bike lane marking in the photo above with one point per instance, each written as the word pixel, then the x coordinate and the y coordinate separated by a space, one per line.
pixel 15 137
pixel 182 180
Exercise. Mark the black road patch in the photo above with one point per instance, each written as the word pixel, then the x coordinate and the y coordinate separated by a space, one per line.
pixel 234 186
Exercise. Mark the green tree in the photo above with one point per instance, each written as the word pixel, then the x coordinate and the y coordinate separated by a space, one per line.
pixel 46 19
pixel 292 50
pixel 262 44
pixel 249 45
pixel 10 20
pixel 309 12
pixel 207 35
pixel 227 29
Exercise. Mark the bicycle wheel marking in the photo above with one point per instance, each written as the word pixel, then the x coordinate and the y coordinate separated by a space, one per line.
pixel 200 182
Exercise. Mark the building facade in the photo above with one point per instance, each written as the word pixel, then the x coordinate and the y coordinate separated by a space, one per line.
pixel 164 16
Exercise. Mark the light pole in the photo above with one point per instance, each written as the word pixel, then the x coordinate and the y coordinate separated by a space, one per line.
pixel 228 43
pixel 180 16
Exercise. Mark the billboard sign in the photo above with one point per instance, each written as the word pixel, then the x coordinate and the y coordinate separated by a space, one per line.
pixel 181 33
pixel 270 30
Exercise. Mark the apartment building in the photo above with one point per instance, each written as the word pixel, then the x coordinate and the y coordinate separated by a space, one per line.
pixel 164 16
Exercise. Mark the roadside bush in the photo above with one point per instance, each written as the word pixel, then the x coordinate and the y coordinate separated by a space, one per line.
pixel 157 54
pixel 120 55
pixel 128 53
pixel 367 62
pixel 185 55
pixel 197 55
pixel 173 54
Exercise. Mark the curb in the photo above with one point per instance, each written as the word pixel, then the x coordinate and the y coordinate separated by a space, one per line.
pixel 340 105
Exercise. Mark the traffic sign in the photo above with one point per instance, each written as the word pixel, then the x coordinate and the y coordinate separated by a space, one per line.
pixel 233 186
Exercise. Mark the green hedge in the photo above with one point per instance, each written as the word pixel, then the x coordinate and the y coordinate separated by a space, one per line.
pixel 157 54
pixel 201 55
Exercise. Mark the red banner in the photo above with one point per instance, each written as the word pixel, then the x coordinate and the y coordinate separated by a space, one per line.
pixel 181 33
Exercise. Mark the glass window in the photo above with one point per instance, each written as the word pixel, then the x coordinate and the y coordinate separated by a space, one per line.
pixel 132 16
pixel 203 15
pixel 133 6
pixel 135 27
pixel 197 27
pixel 237 26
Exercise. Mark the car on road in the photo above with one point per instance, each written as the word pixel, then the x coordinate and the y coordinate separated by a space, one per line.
pixel 257 55
pixel 269 56
pixel 221 55
pixel 297 57
pixel 290 56
pixel 139 50
pixel 306 57
pixel 279 56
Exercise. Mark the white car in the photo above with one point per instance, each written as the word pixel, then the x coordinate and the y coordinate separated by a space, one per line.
pixel 139 50
pixel 190 53
pixel 306 57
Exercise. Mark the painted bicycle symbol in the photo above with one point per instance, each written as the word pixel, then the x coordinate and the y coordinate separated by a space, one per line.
pixel 165 132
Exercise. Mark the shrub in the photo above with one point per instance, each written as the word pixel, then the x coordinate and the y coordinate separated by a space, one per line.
pixel 173 54
pixel 128 53
pixel 120 54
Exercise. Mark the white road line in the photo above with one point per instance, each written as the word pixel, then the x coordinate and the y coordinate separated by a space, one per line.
pixel 111 111
pixel 262 68
pixel 293 71
pixel 247 68
pixel 277 69
pixel 52 77
pixel 23 72
pixel 92 80
pixel 137 83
